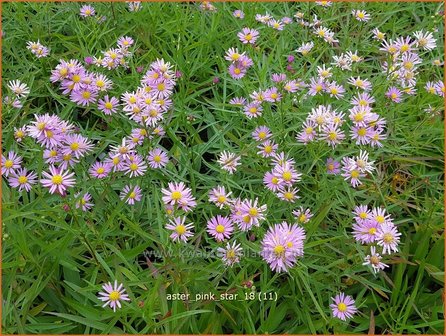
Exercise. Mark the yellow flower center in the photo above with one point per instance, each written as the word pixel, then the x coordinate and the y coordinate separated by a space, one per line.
pixel 380 219
pixel 9 163
pixel 253 110
pixel 100 170
pixel 246 219
pixel 288 195
pixel 88 12
pixel 318 88
pixel 237 71
pixel 363 215
pixel 220 228
pixel 380 35
pixel 57 179
pixel 262 135
pixel 176 195
pixel 332 135
pixel 248 37
pixel 287 176
pixel 108 105
pixel 161 86
pixel 331 166
pixel 86 94
pixel 404 47
pixel 355 174
pixel 268 149
pixel 361 15
pixel 334 91
pixel 235 56
pixel 342 307
pixel 274 95
pixel 362 131
pixel 372 231
pixel 180 229
pixel 309 130
pixel 100 83
pixel 74 146
pixel 157 158
pixel 393 95
pixel 253 212
pixel 23 179
pixel 114 296
pixel 63 71
pixel 76 78
pixel 221 199
pixel 274 180
pixel 388 238
pixel 132 195
pixel 230 254
pixel 279 250
pixel 302 218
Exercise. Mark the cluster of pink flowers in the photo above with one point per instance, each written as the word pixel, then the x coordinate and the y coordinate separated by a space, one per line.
pixel 268 20
pixel 38 49
pixel 375 228
pixel 115 57
pixel 240 63
pixel 83 87
pixel 282 245
pixel 354 168
pixel 324 123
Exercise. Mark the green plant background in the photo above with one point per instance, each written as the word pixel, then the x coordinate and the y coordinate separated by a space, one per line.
pixel 55 261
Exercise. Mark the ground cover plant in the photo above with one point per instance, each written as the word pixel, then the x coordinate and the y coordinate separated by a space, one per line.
pixel 222 168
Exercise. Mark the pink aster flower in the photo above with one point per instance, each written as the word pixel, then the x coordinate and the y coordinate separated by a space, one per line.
pixel 238 14
pixel 308 133
pixel 272 182
pixel 84 96
pixel 394 94
pixel 388 237
pixel 362 134
pixel 343 306
pixel 361 15
pixel 57 180
pixel 272 95
pixel 351 172
pixel 238 101
pixel 180 231
pixel 20 133
pixel 219 196
pixel 335 90
pixel 302 215
pixel 178 194
pixel 439 88
pixel 108 105
pixel 286 173
pixel 99 170
pixel 362 213
pixel 157 158
pixel 229 161
pixel 251 214
pixel 125 41
pixel 278 78
pixel 22 179
pixel 113 295
pixel 230 254
pixel 267 148
pixel 83 201
pixel 261 133
pixel 248 35
pixel 87 10
pixel 276 24
pixel 76 145
pixel 134 166
pixel 332 166
pixel 220 227
pixel 287 193
pixel 374 259
pixel 366 231
pixel 233 55
pixel 282 245
pixel 131 194
pixel 10 163
pixel 333 134
pixel 236 70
